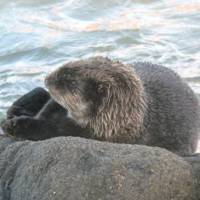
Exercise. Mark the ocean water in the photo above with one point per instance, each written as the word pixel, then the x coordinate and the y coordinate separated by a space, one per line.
pixel 36 36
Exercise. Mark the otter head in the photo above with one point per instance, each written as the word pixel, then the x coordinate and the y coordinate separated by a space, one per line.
pixel 77 88
pixel 101 94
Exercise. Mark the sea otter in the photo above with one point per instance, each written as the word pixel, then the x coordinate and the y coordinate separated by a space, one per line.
pixel 110 101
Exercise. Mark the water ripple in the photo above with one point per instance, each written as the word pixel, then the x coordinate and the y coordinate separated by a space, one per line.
pixel 37 36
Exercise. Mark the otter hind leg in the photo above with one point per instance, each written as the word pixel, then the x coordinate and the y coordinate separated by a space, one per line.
pixel 29 104
pixel 39 129
pixel 35 116
pixel 52 111
pixel 28 128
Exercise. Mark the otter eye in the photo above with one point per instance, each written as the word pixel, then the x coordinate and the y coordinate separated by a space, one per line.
pixel 71 85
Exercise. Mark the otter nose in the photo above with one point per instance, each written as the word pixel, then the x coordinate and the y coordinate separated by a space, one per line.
pixel 49 80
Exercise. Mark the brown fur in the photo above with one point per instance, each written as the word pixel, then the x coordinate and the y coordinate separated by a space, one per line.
pixel 119 118
pixel 149 105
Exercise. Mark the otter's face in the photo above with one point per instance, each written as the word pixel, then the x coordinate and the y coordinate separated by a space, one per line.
pixel 81 95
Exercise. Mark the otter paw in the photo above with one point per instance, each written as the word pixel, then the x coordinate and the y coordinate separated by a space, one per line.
pixel 17 111
pixel 6 126
pixel 17 126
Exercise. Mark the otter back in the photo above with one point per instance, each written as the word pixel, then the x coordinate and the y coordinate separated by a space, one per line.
pixel 172 117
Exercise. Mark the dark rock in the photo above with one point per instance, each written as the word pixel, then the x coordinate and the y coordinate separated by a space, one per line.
pixel 74 168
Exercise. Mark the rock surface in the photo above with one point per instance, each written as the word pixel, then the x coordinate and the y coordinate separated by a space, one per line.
pixel 194 160
pixel 79 169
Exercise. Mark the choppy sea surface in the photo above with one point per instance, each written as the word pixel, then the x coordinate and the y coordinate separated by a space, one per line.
pixel 36 36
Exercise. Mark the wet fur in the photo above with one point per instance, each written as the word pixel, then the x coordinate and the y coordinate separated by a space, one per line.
pixel 109 101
